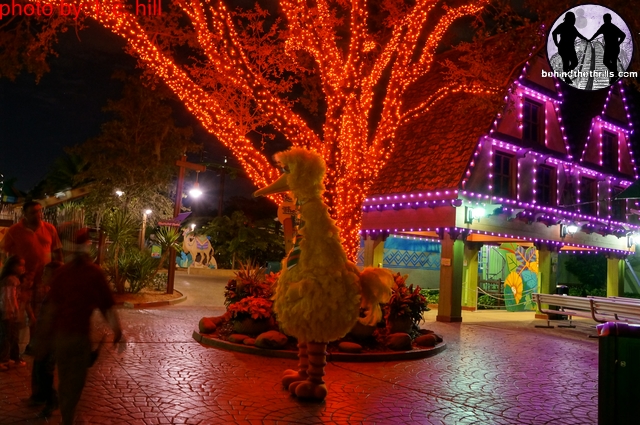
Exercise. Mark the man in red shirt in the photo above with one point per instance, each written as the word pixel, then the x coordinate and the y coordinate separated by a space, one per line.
pixel 37 242
pixel 33 239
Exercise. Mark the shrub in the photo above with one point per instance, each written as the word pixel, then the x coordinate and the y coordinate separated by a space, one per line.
pixel 138 268
pixel 406 302
pixel 432 295
pixel 253 307
pixel 250 281
pixel 160 281
pixel 485 301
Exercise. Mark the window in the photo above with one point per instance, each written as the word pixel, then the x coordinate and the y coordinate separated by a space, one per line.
pixel 609 150
pixel 546 185
pixel 588 196
pixel 503 175
pixel 618 206
pixel 532 122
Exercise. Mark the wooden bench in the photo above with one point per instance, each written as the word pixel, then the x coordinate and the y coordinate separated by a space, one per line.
pixel 599 309
pixel 567 305
pixel 621 311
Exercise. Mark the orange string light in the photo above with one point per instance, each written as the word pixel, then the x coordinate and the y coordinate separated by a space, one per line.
pixel 354 153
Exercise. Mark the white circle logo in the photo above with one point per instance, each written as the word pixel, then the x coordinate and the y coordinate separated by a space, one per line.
pixel 589 47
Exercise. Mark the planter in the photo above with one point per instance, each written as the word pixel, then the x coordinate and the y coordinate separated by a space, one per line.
pixel 400 324
pixel 249 326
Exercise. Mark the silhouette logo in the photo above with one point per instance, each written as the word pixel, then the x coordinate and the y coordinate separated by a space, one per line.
pixel 589 47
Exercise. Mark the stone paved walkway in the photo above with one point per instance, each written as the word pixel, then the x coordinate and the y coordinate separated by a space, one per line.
pixel 497 369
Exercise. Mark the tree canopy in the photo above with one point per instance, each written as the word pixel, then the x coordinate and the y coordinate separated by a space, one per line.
pixel 135 153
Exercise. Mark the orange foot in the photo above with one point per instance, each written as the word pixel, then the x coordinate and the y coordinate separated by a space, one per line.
pixel 309 390
pixel 290 376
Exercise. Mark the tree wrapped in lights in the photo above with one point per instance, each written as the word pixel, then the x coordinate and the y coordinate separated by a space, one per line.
pixel 267 71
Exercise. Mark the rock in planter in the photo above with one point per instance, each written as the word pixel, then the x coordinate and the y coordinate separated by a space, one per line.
pixel 430 332
pixel 361 331
pixel 271 339
pixel 350 347
pixel 249 341
pixel 251 326
pixel 428 340
pixel 218 320
pixel 399 342
pixel 207 325
pixel 237 338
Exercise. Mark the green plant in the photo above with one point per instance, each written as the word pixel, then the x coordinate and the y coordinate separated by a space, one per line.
pixel 167 237
pixel 159 282
pixel 250 281
pixel 432 295
pixel 485 301
pixel 251 307
pixel 138 268
pixel 406 301
pixel 238 237
pixel 121 230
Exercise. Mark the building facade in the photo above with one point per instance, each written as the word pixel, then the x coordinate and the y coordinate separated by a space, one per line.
pixel 512 186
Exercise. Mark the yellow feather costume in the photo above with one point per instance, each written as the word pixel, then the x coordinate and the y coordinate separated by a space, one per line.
pixel 318 299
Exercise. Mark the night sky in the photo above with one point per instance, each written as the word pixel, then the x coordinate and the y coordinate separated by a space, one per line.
pixel 65 109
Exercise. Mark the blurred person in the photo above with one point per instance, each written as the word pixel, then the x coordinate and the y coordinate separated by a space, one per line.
pixel 77 289
pixel 36 241
pixel 26 318
pixel 12 272
pixel 42 390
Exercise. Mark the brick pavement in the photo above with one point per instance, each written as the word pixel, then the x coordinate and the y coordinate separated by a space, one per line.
pixel 494 371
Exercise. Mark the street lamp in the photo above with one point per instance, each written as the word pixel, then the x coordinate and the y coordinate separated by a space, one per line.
pixel 195 190
pixel 119 192
pixel 145 213
pixel 182 164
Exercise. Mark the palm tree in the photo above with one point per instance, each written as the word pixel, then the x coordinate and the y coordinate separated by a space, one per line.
pixel 122 231
pixel 167 237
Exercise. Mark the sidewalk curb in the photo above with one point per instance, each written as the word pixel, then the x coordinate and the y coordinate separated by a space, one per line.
pixel 419 353
pixel 155 303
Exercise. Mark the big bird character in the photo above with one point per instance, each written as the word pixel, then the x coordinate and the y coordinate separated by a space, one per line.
pixel 319 294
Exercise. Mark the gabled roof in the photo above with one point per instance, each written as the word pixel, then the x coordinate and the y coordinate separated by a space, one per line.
pixel 433 151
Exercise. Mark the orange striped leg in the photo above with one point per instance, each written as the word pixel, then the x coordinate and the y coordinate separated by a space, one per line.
pixel 314 387
pixel 290 376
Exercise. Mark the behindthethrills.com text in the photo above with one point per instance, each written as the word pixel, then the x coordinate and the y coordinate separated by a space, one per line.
pixel 590 74
pixel 73 10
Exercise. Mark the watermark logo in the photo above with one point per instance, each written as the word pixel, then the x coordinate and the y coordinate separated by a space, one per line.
pixel 589 47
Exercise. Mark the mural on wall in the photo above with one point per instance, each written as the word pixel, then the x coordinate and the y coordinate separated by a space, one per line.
pixel 522 280
pixel 410 253
pixel 197 252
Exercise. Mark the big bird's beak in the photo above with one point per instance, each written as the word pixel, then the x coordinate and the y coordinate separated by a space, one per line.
pixel 277 186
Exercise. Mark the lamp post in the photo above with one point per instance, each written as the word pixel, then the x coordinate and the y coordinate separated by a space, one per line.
pixel 145 214
pixel 182 164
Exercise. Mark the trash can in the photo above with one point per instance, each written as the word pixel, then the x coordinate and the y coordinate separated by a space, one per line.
pixel 560 290
pixel 618 373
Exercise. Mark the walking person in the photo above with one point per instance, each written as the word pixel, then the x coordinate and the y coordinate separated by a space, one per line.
pixel 10 276
pixel 42 390
pixel 34 240
pixel 77 289
pixel 613 38
pixel 566 46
